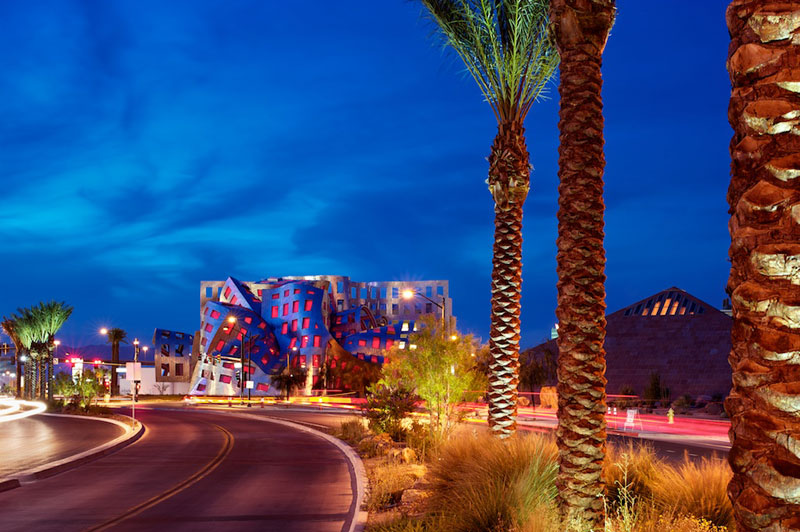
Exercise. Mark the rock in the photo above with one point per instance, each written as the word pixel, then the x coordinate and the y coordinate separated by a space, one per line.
pixel 523 401
pixel 714 409
pixel 376 445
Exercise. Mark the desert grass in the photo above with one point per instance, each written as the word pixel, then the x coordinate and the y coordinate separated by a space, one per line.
pixel 387 481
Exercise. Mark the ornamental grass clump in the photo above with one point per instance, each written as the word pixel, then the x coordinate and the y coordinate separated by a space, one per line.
pixel 696 488
pixel 638 463
pixel 483 483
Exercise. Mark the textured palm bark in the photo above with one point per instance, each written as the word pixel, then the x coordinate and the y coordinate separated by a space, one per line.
pixel 764 198
pixel 509 178
pixel 581 29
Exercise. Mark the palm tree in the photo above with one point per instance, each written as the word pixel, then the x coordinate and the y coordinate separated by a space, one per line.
pixel 507 49
pixel 9 325
pixel 581 30
pixel 765 243
pixel 39 326
pixel 115 336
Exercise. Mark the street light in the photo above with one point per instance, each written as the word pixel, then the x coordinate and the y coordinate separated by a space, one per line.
pixel 409 294
pixel 103 331
pixel 232 321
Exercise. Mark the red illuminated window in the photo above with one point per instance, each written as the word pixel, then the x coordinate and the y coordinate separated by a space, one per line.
pixel 234 300
pixel 214 314
pixel 220 345
pixel 295 306
pixel 390 330
pixel 316 341
pixel 308 305
pixel 209 327
pixel 284 328
pixel 293 343
pixel 203 341
pixel 376 343
pixel 338 320
pixel 260 291
pixel 234 348
pixel 374 359
pixel 275 312
pixel 276 295
pixel 285 309
pixel 262 387
pixel 248 319
pixel 285 293
pixel 315 361
pixel 227 291
pixel 306 323
pixel 296 290
pixel 227 365
pixel 262 325
pixel 362 342
pixel 389 343
pixel 304 341
pixel 294 325
pixel 225 379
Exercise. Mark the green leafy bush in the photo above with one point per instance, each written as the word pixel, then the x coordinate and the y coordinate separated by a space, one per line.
pixel 386 407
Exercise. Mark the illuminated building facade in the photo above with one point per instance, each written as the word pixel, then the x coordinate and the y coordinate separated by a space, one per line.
pixel 251 329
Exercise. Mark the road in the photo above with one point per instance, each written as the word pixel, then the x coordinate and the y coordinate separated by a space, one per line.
pixel 671 448
pixel 35 441
pixel 196 471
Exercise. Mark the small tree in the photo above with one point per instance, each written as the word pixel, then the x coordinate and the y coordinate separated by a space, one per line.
pixel 441 368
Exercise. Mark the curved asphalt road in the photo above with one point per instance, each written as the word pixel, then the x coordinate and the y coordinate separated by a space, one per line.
pixel 37 440
pixel 195 471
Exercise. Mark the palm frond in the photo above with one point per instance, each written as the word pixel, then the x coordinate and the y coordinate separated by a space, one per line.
pixel 506 46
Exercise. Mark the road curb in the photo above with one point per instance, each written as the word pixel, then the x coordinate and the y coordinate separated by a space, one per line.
pixel 359 516
pixel 53 468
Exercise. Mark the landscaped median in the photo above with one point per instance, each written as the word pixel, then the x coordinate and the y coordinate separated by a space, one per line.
pixel 132 431
pixel 473 481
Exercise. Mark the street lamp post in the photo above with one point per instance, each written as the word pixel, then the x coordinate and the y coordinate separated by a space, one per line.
pixel 409 294
pixel 232 321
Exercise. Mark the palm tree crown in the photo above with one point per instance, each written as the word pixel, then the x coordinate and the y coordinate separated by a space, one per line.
pixel 505 45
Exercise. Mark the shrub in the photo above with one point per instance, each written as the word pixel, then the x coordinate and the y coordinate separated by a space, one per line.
pixel 483 483
pixel 386 407
pixel 386 484
pixel 420 439
pixel 352 431
pixel 698 489
pixel 638 461
pixel 407 524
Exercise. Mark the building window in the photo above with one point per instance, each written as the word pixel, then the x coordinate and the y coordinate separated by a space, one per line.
pixel 389 343
pixel 286 309
pixel 340 304
pixel 293 343
pixel 215 314
pixel 227 291
pixel 306 323
pixel 295 306
pixel 209 292
pixel 395 309
pixel 376 342
pixel 165 370
pixel 308 305
pixel 209 327
pixel 428 308
pixel 285 328
pixel 285 293
pixel 275 312
pixel 315 361
pixel 276 295
pixel 395 292
pixel 296 291
pixel 362 342
pixel 316 340
pixel 294 325
pixel 304 341
pixel 179 370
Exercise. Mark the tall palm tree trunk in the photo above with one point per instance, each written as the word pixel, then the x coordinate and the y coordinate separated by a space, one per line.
pixel 509 178
pixel 764 199
pixel 581 31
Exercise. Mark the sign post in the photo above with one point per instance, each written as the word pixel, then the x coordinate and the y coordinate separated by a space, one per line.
pixel 133 373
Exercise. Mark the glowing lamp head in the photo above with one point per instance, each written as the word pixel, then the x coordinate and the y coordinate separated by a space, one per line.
pixel 136 341
pixel 231 319
pixel 145 348
pixel 103 331
pixel 57 342
pixel 454 337
pixel 408 294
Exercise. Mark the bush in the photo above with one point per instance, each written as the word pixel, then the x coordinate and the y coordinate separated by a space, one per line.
pixel 483 483
pixel 407 524
pixel 352 431
pixel 386 484
pixel 698 489
pixel 636 460
pixel 386 407
pixel 420 439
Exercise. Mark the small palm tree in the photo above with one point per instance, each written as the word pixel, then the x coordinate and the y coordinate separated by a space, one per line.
pixel 40 324
pixel 506 47
pixel 115 336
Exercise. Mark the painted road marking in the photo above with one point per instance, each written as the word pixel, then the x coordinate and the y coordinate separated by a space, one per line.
pixel 161 497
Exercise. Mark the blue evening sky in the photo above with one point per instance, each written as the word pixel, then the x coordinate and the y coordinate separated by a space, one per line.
pixel 148 145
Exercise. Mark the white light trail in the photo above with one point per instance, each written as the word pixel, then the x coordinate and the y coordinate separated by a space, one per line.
pixel 16 409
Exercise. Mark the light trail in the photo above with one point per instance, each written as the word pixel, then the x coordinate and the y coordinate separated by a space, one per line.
pixel 21 409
